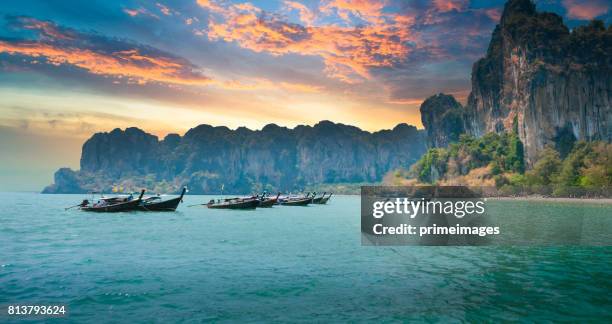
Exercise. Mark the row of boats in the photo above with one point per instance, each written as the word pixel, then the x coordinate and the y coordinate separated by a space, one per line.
pixel 264 201
pixel 157 204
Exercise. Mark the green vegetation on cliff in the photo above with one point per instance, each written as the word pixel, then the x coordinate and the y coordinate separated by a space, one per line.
pixel 586 169
pixel 502 153
pixel 497 160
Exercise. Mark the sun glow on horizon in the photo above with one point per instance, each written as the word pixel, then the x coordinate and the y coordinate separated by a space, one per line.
pixel 80 114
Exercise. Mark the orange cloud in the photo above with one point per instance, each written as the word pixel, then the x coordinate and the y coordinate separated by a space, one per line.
pixel 58 46
pixel 130 64
pixel 208 4
pixel 585 10
pixel 449 5
pixel 134 64
pixel 348 52
pixel 368 10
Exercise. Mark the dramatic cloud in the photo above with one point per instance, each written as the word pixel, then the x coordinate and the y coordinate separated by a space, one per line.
pixel 585 10
pixel 332 46
pixel 348 52
pixel 367 10
pixel 99 55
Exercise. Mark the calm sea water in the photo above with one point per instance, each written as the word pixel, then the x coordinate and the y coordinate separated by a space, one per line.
pixel 281 264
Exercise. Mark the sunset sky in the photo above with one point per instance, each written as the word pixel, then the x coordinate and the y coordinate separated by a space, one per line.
pixel 72 68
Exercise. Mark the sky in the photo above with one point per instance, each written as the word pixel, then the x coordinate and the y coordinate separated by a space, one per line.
pixel 69 69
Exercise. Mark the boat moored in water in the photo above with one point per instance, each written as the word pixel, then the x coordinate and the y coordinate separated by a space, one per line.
pixel 317 200
pixel 265 202
pixel 321 200
pixel 296 201
pixel 156 204
pixel 234 203
pixel 112 204
pixel 325 199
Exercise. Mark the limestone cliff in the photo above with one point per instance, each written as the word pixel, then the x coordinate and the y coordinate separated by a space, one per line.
pixel 242 160
pixel 555 82
pixel 442 117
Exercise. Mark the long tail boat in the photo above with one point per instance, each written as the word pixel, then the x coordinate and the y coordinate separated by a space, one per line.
pixel 113 204
pixel 234 203
pixel 318 200
pixel 325 199
pixel 156 204
pixel 268 202
pixel 296 201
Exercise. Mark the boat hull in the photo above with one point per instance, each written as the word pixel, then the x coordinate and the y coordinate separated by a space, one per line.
pixel 267 203
pixel 297 202
pixel 115 208
pixel 319 200
pixel 245 204
pixel 167 205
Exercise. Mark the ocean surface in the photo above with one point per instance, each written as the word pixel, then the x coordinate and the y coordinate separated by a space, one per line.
pixel 302 264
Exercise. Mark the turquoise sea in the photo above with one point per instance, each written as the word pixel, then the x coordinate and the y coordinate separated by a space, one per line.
pixel 294 264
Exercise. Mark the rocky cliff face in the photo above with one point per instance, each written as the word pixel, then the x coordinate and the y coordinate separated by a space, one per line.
pixel 242 160
pixel 137 151
pixel 65 181
pixel 442 117
pixel 557 84
pixel 552 81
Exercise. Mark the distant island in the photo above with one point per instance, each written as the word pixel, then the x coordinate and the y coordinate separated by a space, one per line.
pixel 211 160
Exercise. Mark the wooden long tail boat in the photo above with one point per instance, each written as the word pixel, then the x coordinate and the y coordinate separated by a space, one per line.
pixel 234 203
pixel 113 205
pixel 268 202
pixel 157 205
pixel 325 199
pixel 297 201
pixel 318 200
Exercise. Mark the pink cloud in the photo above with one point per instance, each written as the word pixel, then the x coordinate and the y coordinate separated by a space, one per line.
pixel 139 12
pixel 585 10
pixel 62 46
pixel 448 5
pixel 494 14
